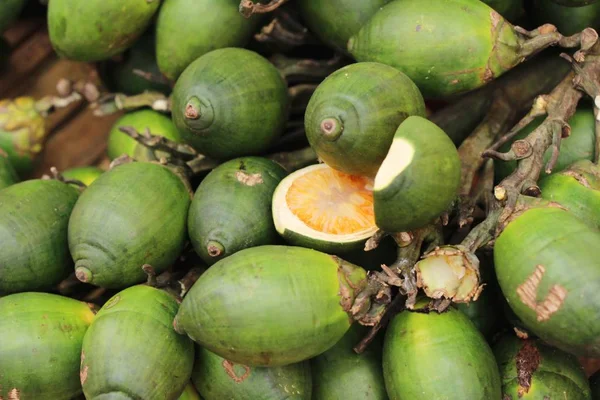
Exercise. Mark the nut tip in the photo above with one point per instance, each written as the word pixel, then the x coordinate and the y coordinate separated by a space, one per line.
pixel 83 274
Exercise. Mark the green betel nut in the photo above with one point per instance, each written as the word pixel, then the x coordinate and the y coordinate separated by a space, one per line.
pixel 188 29
pixel 217 378
pixel 550 277
pixel 335 21
pixel 231 209
pixel 95 30
pixel 351 118
pixel 34 252
pixel 427 355
pixel 42 336
pixel 271 305
pixel 131 350
pixel 419 178
pixel 230 102
pixel 530 369
pixel 132 215
pixel 446 47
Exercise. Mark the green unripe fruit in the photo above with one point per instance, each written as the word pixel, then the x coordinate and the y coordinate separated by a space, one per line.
pixel 548 271
pixel 335 21
pixel 131 351
pixel 351 118
pixel 230 102
pixel 231 209
pixel 271 305
pixel 446 47
pixel 577 188
pixel 96 30
pixel 132 215
pixel 34 253
pixel 42 335
pixel 531 369
pixel 341 374
pixel 158 124
pixel 217 378
pixel 419 178
pixel 85 175
pixel 438 356
pixel 188 29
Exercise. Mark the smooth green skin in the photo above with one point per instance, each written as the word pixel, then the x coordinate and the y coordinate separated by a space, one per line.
pixel 575 3
pixel 341 374
pixel 335 21
pixel 233 214
pixel 131 350
pixel 34 215
pixel 569 257
pixel 159 124
pixel 438 356
pixel 188 29
pixel 595 386
pixel 8 175
pixel 218 379
pixel 132 215
pixel 267 306
pixel 579 200
pixel 41 343
pixel 190 393
pixel 244 100
pixel 558 375
pixel 509 9
pixel 96 30
pixel 568 20
pixel 578 146
pixel 369 102
pixel 86 175
pixel 426 187
pixel 446 47
pixel 9 11
pixel 119 75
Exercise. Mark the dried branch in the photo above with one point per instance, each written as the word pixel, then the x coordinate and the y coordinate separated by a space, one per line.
pixel 177 150
pixel 307 70
pixel 248 8
pixel 285 33
pixel 112 103
pixel 558 106
pixel 511 97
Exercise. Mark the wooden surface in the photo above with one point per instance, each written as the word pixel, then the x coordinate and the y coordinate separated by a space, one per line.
pixel 75 137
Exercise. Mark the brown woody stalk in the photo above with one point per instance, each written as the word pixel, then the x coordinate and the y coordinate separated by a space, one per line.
pixel 558 106
pixel 248 8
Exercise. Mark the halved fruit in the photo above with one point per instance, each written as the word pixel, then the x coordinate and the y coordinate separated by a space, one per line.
pixel 324 209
